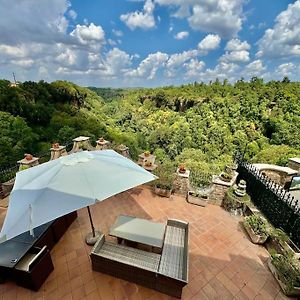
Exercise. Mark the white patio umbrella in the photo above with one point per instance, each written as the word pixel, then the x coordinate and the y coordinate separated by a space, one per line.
pixel 55 188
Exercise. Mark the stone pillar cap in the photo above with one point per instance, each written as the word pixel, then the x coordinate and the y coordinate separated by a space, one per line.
pixel 81 139
pixel 58 149
pixel 24 161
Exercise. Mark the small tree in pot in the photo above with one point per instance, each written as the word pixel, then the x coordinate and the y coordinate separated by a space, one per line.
pixel 164 184
pixel 200 183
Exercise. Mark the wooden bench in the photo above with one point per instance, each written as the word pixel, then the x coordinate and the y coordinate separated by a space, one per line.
pixel 167 273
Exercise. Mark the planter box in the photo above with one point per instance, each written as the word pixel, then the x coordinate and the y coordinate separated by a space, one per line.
pixel 294 292
pixel 289 245
pixel 196 200
pixel 256 239
pixel 162 192
pixel 293 248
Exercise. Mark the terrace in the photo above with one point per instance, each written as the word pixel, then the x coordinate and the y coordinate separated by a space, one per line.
pixel 224 264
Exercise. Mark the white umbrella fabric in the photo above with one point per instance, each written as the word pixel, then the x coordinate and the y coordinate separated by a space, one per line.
pixel 55 188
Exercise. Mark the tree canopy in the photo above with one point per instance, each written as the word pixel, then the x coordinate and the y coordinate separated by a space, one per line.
pixel 199 124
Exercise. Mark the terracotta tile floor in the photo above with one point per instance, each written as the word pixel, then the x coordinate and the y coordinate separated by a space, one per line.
pixel 224 264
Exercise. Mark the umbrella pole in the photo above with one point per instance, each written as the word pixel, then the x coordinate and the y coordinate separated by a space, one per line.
pixel 91 221
pixel 92 237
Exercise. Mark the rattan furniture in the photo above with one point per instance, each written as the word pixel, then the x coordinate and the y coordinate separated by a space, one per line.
pixel 166 272
pixel 34 268
pixel 18 251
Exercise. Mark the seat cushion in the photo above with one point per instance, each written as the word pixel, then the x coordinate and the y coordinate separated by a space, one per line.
pixel 172 258
pixel 131 256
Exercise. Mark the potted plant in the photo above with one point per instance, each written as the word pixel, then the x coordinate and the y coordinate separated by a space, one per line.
pixel 281 242
pixel 234 203
pixel 226 176
pixel 286 270
pixel 200 188
pixel 164 184
pixel 257 228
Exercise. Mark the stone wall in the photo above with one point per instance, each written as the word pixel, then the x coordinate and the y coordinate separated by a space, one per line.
pixel 217 196
pixel 220 187
pixel 181 183
pixel 294 163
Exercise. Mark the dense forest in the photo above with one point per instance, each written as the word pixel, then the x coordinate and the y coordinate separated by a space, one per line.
pixel 199 124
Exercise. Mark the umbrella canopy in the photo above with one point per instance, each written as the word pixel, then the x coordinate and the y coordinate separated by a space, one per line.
pixel 55 188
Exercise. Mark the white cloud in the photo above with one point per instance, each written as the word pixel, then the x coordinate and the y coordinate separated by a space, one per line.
pixel 283 40
pixel 286 69
pixel 176 61
pixel 117 33
pixel 237 45
pixel 210 42
pixel 116 62
pixel 181 35
pixel 193 68
pixel 237 51
pixel 223 70
pixel 144 20
pixel 21 21
pixel 223 17
pixel 255 68
pixel 149 66
pixel 87 34
pixel 236 56
pixel 72 14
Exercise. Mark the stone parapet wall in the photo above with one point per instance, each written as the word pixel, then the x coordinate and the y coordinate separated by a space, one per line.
pixel 217 196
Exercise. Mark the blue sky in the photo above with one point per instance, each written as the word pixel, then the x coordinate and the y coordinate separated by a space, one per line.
pixel 149 42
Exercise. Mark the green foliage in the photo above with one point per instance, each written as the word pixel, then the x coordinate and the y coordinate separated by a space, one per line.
pixel 166 174
pixel 258 224
pixel 15 140
pixel 276 154
pixel 198 124
pixel 288 269
pixel 279 235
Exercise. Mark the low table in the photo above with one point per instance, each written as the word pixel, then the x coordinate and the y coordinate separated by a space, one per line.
pixel 138 231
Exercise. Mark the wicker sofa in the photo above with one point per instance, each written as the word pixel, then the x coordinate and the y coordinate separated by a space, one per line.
pixel 166 272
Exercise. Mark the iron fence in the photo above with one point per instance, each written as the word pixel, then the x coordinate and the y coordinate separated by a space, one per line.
pixel 277 204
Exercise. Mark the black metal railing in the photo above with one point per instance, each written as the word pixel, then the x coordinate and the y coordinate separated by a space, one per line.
pixel 277 204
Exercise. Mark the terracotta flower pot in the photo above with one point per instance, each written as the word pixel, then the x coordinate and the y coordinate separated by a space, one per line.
pixel 181 168
pixel 28 156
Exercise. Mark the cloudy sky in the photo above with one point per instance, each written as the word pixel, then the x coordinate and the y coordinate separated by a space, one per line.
pixel 121 43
